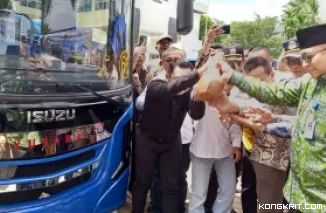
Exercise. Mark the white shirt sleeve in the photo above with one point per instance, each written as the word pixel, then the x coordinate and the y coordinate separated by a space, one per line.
pixel 140 101
pixel 235 132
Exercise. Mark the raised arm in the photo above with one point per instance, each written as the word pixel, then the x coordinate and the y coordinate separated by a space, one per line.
pixel 196 108
pixel 161 89
pixel 282 93
pixel 140 101
pixel 213 32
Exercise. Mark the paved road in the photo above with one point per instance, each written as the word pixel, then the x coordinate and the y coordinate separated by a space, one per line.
pixel 237 206
pixel 237 201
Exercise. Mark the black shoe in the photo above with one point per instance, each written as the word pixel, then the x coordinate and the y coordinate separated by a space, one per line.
pixel 233 211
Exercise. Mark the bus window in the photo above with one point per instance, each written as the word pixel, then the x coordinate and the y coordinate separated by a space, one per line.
pixel 72 48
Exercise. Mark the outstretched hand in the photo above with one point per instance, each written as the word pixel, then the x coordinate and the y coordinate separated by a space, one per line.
pixel 259 115
pixel 247 122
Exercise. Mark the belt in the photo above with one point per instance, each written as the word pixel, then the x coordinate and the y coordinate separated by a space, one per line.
pixel 160 140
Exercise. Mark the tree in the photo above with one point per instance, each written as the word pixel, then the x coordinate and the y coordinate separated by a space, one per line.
pixel 45 28
pixel 205 23
pixel 261 31
pixel 6 4
pixel 299 14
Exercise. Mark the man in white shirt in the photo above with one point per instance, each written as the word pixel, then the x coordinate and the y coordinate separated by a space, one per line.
pixel 213 146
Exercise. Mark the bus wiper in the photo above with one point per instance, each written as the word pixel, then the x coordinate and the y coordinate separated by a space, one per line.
pixel 107 99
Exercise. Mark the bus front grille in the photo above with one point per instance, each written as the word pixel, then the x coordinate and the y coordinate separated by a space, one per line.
pixel 14 193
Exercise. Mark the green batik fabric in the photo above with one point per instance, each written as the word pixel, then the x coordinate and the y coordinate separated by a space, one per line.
pixel 286 92
pixel 307 179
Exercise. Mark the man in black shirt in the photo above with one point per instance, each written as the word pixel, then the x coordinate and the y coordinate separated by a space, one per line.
pixel 167 101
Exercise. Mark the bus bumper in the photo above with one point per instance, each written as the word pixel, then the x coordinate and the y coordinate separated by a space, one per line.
pixel 88 198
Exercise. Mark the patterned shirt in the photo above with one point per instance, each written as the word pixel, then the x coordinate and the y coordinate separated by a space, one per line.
pixel 306 181
pixel 282 127
pixel 267 149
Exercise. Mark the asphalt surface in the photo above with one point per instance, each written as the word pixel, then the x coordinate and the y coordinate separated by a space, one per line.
pixel 236 205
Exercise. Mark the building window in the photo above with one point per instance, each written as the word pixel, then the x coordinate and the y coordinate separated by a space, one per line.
pixel 84 6
pixel 158 1
pixel 102 4
pixel 37 4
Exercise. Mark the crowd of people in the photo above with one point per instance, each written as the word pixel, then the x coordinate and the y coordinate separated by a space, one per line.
pixel 267 126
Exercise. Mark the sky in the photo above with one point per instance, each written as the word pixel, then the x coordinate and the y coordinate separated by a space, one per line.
pixel 240 10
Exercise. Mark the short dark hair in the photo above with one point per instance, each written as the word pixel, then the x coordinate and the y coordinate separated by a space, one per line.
pixel 259 48
pixel 182 65
pixel 255 62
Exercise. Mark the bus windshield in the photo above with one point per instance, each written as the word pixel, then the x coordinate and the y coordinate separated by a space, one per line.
pixel 63 49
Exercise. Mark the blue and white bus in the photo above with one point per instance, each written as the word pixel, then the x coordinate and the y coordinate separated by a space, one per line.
pixel 65 112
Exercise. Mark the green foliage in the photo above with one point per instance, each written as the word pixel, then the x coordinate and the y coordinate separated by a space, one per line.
pixel 205 23
pixel 261 31
pixel 6 4
pixel 299 14
pixel 45 28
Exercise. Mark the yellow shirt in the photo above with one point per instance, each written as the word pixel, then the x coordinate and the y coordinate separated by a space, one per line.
pixel 248 139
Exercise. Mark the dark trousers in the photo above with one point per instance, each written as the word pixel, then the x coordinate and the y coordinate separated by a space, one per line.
pixel 148 153
pixel 285 202
pixel 183 184
pixel 249 192
pixel 213 188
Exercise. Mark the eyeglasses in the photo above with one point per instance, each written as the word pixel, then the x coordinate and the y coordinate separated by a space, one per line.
pixel 181 64
pixel 173 60
pixel 290 61
pixel 306 57
pixel 185 65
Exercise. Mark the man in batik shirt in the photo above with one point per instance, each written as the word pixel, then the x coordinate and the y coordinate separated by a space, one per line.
pixel 306 182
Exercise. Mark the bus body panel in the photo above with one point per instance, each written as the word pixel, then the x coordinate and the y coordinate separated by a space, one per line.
pixel 82 198
pixel 100 194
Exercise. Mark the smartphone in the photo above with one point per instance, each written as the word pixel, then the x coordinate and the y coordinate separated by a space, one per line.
pixel 142 40
pixel 226 29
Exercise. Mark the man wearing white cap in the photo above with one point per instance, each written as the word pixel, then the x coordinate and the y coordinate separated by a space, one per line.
pixel 163 43
pixel 292 57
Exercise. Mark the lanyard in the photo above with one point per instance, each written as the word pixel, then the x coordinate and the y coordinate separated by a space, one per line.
pixel 296 129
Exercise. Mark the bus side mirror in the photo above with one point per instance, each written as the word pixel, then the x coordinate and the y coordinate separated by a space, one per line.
pixel 185 16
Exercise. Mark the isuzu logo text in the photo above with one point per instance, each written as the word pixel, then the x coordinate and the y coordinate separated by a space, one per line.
pixel 51 115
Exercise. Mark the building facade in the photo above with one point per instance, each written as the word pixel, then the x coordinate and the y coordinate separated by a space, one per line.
pixel 153 18
pixel 322 9
pixel 157 18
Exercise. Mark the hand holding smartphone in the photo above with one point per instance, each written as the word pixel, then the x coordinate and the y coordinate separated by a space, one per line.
pixel 226 29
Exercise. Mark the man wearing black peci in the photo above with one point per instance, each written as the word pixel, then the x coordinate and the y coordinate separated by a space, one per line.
pixel 158 139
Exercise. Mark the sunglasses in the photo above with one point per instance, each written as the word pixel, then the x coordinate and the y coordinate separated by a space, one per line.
pixel 181 64
pixel 306 57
